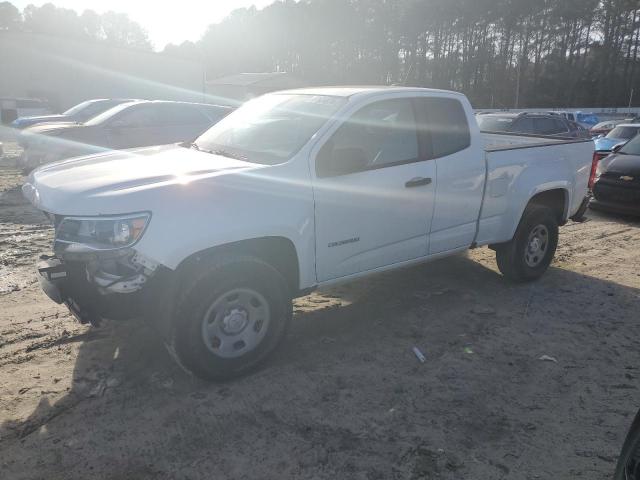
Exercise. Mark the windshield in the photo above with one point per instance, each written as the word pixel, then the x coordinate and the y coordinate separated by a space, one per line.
pixel 77 108
pixel 495 124
pixel 632 147
pixel 270 129
pixel 108 114
pixel 85 110
pixel 623 132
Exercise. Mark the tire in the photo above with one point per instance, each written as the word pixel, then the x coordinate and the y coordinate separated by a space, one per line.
pixel 516 260
pixel 628 466
pixel 230 317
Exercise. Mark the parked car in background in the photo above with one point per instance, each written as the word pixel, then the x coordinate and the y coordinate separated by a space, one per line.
pixel 617 180
pixel 12 108
pixel 619 135
pixel 128 125
pixel 77 114
pixel 578 131
pixel 603 128
pixel 531 124
pixel 586 120
pixel 296 190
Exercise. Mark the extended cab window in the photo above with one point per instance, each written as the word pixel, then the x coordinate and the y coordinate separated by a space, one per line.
pixel 376 136
pixel 446 125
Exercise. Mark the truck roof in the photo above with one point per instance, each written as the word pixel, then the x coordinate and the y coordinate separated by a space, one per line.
pixel 349 91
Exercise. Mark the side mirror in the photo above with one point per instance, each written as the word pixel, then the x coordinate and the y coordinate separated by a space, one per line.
pixel 332 162
pixel 617 148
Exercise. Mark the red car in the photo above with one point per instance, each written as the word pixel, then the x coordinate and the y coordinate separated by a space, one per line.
pixel 604 128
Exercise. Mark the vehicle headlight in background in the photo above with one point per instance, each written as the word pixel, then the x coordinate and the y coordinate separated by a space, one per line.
pixel 103 233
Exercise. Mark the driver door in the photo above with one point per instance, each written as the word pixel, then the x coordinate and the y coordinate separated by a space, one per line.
pixel 374 192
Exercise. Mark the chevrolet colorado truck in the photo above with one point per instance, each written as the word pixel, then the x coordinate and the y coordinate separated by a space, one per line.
pixel 295 190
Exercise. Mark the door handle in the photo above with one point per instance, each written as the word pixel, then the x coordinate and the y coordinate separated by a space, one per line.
pixel 417 182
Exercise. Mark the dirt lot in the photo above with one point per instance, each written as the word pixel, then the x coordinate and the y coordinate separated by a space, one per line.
pixel 344 397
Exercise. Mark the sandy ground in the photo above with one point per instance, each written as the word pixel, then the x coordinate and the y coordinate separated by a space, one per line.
pixel 344 397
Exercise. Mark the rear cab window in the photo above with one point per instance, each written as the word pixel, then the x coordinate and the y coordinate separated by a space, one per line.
pixel 445 125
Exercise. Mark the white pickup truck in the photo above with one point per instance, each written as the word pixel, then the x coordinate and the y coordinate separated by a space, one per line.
pixel 293 191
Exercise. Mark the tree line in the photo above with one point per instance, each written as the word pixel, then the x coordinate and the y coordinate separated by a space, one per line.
pixel 501 53
pixel 112 28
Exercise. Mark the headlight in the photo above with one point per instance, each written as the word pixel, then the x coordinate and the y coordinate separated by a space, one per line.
pixel 102 233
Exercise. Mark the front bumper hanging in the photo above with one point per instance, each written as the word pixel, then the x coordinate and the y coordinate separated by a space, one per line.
pixel 93 295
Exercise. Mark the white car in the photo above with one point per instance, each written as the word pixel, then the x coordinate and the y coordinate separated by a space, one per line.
pixel 294 191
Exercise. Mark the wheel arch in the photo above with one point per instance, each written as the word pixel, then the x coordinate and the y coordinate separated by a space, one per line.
pixel 279 252
pixel 557 199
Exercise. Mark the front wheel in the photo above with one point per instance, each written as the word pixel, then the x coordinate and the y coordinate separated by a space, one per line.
pixel 528 255
pixel 231 316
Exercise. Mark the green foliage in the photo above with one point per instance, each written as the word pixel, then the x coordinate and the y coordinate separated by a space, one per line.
pixel 112 28
pixel 499 52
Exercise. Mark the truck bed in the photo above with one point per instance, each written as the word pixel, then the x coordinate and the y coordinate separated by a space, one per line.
pixel 518 166
pixel 495 141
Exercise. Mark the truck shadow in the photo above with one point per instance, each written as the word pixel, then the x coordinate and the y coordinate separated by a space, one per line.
pixel 349 354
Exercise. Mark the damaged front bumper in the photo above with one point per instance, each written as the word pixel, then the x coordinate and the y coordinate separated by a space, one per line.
pixel 94 286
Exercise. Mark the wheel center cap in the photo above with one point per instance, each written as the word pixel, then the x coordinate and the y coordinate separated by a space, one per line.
pixel 235 321
pixel 534 246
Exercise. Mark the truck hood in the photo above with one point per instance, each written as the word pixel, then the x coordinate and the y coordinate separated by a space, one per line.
pixel 123 181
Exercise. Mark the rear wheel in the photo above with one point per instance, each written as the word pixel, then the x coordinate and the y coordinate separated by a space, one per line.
pixel 528 255
pixel 628 467
pixel 230 318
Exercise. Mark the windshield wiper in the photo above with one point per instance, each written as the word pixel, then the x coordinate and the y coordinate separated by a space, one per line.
pixel 190 145
pixel 226 153
pixel 215 151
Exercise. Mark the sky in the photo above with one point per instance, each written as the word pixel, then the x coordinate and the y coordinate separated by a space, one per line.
pixel 166 21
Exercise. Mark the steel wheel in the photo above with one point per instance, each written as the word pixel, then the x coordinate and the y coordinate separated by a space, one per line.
pixel 632 468
pixel 235 323
pixel 537 245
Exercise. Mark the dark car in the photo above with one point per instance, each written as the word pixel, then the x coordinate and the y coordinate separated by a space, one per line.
pixel 77 114
pixel 129 125
pixel 617 180
pixel 531 124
